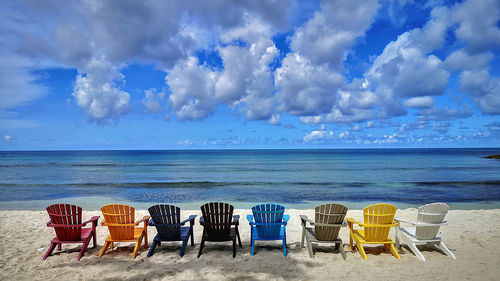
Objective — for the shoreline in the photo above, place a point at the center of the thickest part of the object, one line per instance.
(471, 235)
(94, 203)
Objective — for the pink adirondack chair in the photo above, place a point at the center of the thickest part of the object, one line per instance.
(66, 220)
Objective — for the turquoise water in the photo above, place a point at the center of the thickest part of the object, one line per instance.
(409, 176)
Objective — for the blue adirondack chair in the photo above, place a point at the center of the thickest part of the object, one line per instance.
(167, 220)
(268, 223)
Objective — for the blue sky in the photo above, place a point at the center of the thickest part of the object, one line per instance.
(249, 74)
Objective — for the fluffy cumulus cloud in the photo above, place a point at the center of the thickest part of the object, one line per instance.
(310, 81)
(484, 89)
(320, 135)
(97, 93)
(406, 69)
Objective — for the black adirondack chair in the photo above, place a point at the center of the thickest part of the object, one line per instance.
(167, 220)
(218, 221)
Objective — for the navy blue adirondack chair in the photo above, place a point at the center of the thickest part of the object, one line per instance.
(167, 220)
(268, 223)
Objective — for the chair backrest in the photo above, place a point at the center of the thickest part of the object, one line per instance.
(169, 218)
(328, 214)
(119, 214)
(376, 216)
(430, 213)
(268, 213)
(66, 214)
(217, 217)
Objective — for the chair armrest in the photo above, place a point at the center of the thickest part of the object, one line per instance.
(286, 218)
(92, 219)
(406, 221)
(202, 220)
(191, 218)
(250, 219)
(144, 219)
(304, 219)
(49, 223)
(236, 220)
(103, 223)
(352, 221)
(432, 224)
(151, 222)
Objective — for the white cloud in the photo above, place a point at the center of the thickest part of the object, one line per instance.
(327, 36)
(7, 137)
(461, 60)
(192, 86)
(318, 135)
(96, 91)
(152, 100)
(478, 24)
(305, 88)
(419, 102)
(484, 89)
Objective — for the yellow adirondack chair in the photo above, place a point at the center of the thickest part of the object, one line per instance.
(379, 219)
(120, 221)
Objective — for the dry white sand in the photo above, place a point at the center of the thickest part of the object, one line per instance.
(472, 235)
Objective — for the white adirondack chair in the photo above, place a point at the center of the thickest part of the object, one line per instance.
(429, 219)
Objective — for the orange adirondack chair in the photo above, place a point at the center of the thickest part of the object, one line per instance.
(379, 219)
(120, 221)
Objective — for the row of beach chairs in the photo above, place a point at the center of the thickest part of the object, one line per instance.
(267, 222)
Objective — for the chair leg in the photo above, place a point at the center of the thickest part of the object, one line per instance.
(104, 248)
(309, 247)
(398, 244)
(361, 251)
(202, 244)
(59, 246)
(351, 243)
(239, 239)
(137, 246)
(94, 240)
(84, 248)
(192, 236)
(341, 247)
(184, 244)
(394, 252)
(112, 245)
(284, 247)
(234, 247)
(152, 249)
(303, 236)
(253, 246)
(445, 249)
(50, 250)
(415, 251)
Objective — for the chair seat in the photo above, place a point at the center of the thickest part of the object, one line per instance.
(183, 234)
(360, 235)
(86, 233)
(409, 232)
(255, 235)
(312, 237)
(138, 232)
(232, 234)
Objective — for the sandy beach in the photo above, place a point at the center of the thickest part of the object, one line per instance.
(472, 235)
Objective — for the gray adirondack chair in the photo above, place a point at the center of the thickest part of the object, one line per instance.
(329, 218)
(425, 230)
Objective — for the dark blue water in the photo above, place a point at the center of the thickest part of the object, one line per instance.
(414, 176)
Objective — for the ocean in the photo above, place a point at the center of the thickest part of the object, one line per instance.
(295, 178)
